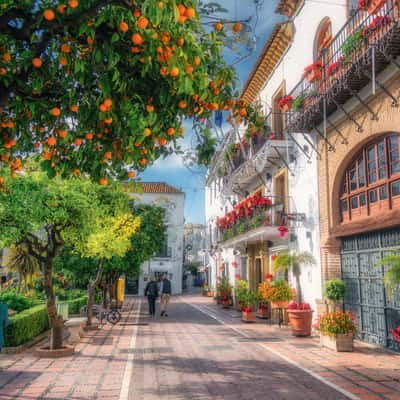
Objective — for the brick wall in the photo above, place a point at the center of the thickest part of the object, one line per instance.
(333, 164)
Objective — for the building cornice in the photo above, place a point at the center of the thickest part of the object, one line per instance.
(270, 57)
(288, 7)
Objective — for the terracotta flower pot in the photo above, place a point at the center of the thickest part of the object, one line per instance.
(300, 322)
(339, 343)
(286, 107)
(209, 294)
(262, 313)
(375, 5)
(248, 316)
(280, 304)
(314, 74)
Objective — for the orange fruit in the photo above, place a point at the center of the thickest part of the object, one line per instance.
(37, 62)
(63, 61)
(182, 19)
(190, 12)
(76, 172)
(62, 133)
(77, 141)
(237, 27)
(61, 8)
(242, 112)
(182, 104)
(3, 71)
(189, 69)
(162, 141)
(49, 15)
(147, 132)
(131, 174)
(218, 26)
(1, 180)
(135, 49)
(160, 5)
(123, 27)
(103, 181)
(7, 57)
(181, 9)
(102, 108)
(74, 108)
(214, 106)
(108, 103)
(108, 155)
(163, 71)
(197, 61)
(143, 161)
(65, 48)
(89, 41)
(13, 175)
(143, 22)
(89, 136)
(136, 13)
(73, 3)
(180, 42)
(108, 121)
(170, 131)
(150, 108)
(55, 112)
(46, 155)
(51, 141)
(137, 39)
(174, 72)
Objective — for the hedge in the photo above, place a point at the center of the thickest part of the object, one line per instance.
(30, 323)
(74, 306)
(26, 325)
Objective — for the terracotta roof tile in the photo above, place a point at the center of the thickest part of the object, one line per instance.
(159, 187)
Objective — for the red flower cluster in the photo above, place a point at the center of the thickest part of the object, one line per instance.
(269, 276)
(283, 231)
(234, 264)
(396, 334)
(285, 100)
(335, 66)
(244, 209)
(316, 65)
(247, 309)
(263, 306)
(378, 22)
(362, 4)
(296, 306)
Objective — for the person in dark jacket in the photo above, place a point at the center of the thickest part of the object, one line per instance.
(165, 291)
(151, 292)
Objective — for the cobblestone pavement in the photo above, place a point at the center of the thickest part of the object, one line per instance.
(200, 352)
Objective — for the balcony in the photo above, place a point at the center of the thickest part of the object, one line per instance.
(254, 218)
(366, 43)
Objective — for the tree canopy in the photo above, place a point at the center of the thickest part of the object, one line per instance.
(101, 87)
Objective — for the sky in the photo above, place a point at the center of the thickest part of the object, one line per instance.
(172, 170)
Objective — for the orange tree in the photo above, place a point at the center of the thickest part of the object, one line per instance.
(101, 86)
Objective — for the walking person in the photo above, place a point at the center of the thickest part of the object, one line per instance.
(165, 291)
(151, 292)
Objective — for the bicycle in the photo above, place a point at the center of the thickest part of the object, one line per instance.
(112, 315)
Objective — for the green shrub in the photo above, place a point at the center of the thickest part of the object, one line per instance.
(74, 306)
(334, 289)
(26, 325)
(15, 301)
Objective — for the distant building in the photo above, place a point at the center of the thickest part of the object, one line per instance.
(170, 259)
(194, 239)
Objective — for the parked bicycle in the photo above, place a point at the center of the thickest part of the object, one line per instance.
(112, 315)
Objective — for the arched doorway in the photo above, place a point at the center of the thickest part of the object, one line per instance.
(371, 188)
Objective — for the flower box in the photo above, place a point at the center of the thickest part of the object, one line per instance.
(248, 316)
(339, 343)
(313, 72)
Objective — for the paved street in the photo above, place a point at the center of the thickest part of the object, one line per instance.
(199, 352)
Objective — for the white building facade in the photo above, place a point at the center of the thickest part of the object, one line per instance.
(170, 260)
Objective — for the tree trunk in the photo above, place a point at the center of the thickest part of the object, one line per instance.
(56, 321)
(91, 288)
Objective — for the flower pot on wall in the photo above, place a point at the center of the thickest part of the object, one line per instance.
(339, 343)
(300, 322)
(375, 5)
(248, 316)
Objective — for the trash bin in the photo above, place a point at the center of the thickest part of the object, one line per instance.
(62, 309)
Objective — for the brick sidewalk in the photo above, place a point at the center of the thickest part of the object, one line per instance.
(95, 371)
(369, 373)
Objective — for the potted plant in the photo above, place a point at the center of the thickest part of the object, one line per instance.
(241, 287)
(278, 292)
(285, 103)
(337, 330)
(247, 299)
(334, 291)
(313, 72)
(263, 310)
(225, 291)
(300, 317)
(373, 6)
(352, 43)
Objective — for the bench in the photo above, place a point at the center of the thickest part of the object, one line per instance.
(75, 326)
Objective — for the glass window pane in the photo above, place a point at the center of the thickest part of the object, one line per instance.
(361, 172)
(373, 196)
(371, 165)
(396, 188)
(353, 179)
(394, 154)
(382, 160)
(343, 205)
(344, 185)
(383, 194)
(354, 202)
(362, 200)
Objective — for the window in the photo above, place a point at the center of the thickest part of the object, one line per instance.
(323, 38)
(372, 177)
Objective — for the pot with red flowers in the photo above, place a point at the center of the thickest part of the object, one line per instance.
(247, 299)
(300, 318)
(313, 72)
(373, 6)
(285, 103)
(225, 291)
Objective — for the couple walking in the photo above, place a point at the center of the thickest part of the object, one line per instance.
(151, 292)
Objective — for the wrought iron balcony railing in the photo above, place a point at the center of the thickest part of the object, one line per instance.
(364, 46)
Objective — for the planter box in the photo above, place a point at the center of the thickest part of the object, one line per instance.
(248, 316)
(341, 343)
